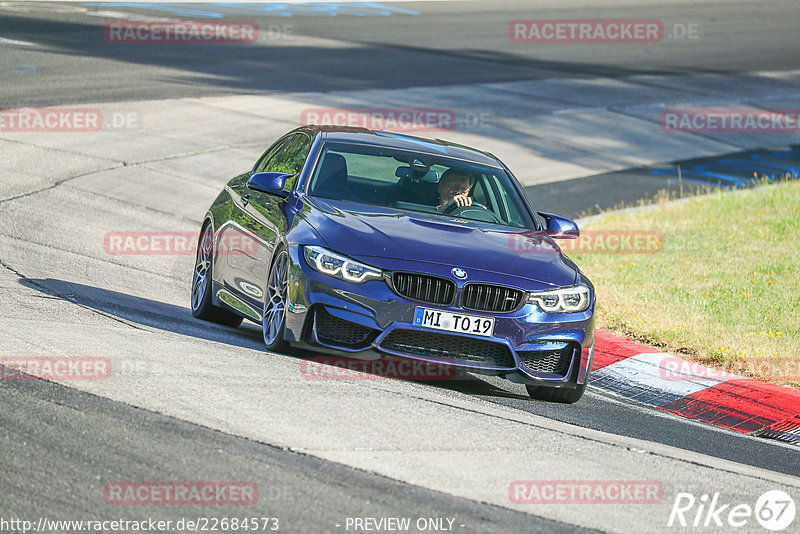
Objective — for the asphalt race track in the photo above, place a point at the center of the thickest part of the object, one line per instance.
(190, 401)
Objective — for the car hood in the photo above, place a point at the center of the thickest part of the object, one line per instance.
(362, 231)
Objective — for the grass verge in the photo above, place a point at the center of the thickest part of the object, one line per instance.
(723, 291)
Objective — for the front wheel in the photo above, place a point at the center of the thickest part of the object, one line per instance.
(562, 395)
(273, 321)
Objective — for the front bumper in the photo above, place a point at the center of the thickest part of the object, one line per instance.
(368, 320)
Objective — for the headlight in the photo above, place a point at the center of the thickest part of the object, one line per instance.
(564, 300)
(333, 264)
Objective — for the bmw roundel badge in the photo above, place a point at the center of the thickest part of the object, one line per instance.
(459, 273)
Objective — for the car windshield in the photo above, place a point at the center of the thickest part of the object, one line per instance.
(404, 180)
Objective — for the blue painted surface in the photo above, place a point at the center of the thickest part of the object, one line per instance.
(739, 170)
(166, 8)
(276, 9)
(19, 69)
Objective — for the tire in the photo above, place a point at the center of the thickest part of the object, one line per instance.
(562, 395)
(273, 322)
(202, 306)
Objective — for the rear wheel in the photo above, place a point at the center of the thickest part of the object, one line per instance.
(202, 308)
(562, 395)
(273, 323)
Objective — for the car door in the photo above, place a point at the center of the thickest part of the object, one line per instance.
(237, 243)
(260, 220)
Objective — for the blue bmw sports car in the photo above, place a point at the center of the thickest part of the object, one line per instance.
(373, 245)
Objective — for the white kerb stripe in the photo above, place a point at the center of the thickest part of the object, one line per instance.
(664, 372)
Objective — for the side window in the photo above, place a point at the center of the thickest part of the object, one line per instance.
(479, 193)
(493, 195)
(261, 166)
(291, 159)
(506, 208)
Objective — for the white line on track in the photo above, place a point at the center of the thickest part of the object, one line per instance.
(4, 40)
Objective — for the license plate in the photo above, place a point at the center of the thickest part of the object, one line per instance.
(454, 322)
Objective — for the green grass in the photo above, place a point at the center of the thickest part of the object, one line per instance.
(725, 289)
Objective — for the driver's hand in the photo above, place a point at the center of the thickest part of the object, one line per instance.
(462, 200)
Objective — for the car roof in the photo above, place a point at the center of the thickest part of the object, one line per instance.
(363, 136)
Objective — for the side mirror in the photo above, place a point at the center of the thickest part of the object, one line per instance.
(269, 182)
(560, 227)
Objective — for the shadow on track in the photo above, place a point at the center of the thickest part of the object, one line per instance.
(147, 71)
(179, 320)
(146, 312)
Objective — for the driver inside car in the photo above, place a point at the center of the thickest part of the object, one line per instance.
(453, 189)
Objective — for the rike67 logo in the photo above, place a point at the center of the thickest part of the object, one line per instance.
(774, 510)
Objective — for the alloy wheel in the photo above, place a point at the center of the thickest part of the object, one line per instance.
(275, 303)
(201, 268)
